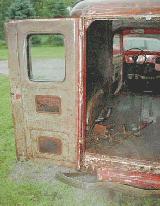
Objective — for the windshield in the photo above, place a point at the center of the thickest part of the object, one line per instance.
(145, 42)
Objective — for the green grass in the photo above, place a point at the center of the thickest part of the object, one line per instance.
(37, 52)
(48, 52)
(3, 53)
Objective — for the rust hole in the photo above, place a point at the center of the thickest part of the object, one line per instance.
(50, 145)
(49, 104)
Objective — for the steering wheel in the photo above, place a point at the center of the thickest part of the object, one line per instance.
(135, 57)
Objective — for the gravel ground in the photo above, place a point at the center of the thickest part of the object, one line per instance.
(36, 172)
(4, 67)
(48, 69)
(33, 172)
(44, 172)
(42, 69)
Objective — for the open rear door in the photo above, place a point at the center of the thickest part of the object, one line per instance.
(45, 104)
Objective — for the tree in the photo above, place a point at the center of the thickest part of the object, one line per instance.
(21, 9)
(4, 4)
(59, 9)
(51, 8)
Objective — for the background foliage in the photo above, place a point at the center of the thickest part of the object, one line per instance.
(21, 9)
(31, 8)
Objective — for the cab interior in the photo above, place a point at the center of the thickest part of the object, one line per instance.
(123, 89)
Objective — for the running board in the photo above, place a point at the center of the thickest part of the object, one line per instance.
(133, 178)
(86, 181)
(80, 180)
(136, 173)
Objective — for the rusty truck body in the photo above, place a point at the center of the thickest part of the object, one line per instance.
(103, 115)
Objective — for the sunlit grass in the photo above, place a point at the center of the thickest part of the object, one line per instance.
(47, 52)
(38, 52)
(3, 53)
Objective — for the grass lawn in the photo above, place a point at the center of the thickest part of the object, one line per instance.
(38, 52)
(47, 52)
(3, 53)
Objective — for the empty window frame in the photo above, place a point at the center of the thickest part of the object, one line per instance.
(46, 57)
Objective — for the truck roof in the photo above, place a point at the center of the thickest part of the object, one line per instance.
(113, 8)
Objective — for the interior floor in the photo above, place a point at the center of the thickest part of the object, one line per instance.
(130, 127)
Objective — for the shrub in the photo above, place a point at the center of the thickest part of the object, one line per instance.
(21, 9)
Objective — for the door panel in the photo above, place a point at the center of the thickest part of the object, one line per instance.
(49, 108)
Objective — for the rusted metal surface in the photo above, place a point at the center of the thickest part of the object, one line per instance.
(29, 123)
(81, 104)
(141, 174)
(17, 109)
(94, 107)
(99, 129)
(90, 182)
(138, 179)
(126, 139)
(93, 161)
(123, 8)
(48, 104)
(130, 133)
(50, 145)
